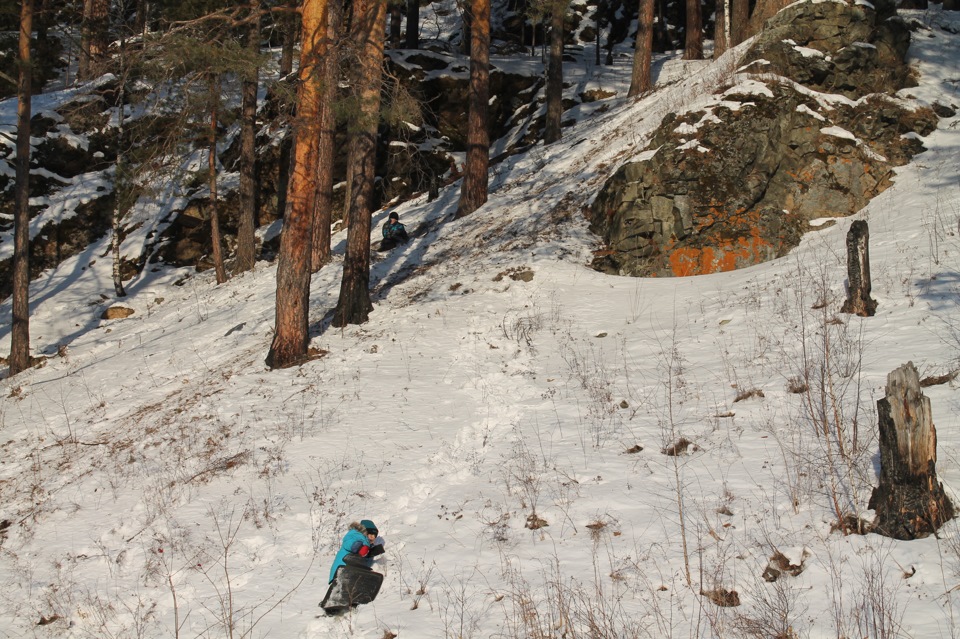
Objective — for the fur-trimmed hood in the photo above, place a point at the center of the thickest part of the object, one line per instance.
(356, 526)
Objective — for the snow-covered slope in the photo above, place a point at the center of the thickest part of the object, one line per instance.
(502, 418)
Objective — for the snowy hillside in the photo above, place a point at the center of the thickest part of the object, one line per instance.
(505, 418)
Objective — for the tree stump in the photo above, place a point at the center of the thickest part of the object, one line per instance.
(909, 502)
(859, 301)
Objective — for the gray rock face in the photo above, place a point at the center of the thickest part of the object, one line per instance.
(737, 185)
(834, 47)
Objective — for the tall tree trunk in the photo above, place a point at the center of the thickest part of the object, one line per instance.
(763, 11)
(43, 16)
(473, 189)
(246, 229)
(140, 21)
(611, 17)
(323, 208)
(291, 336)
(288, 22)
(663, 40)
(215, 240)
(413, 24)
(20, 330)
(721, 30)
(396, 22)
(693, 46)
(739, 21)
(122, 188)
(641, 79)
(465, 37)
(367, 30)
(555, 74)
(94, 38)
(598, 26)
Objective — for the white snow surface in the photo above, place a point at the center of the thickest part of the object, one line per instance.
(157, 480)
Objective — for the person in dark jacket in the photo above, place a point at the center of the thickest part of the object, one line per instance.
(359, 546)
(394, 233)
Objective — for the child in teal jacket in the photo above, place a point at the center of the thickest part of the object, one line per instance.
(359, 546)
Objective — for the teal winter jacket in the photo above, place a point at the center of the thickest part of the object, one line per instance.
(353, 543)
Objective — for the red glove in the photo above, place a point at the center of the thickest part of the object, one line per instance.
(364, 551)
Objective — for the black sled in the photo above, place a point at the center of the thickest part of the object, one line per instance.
(351, 586)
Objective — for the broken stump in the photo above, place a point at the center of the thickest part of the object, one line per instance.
(859, 301)
(909, 502)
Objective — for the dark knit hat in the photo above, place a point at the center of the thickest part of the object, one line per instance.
(393, 216)
(370, 526)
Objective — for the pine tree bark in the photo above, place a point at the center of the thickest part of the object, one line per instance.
(291, 335)
(396, 22)
(140, 20)
(739, 21)
(246, 228)
(909, 502)
(43, 18)
(554, 87)
(367, 30)
(413, 24)
(323, 208)
(763, 11)
(598, 28)
(215, 239)
(721, 30)
(94, 38)
(858, 300)
(693, 46)
(473, 189)
(642, 80)
(20, 329)
(466, 39)
(288, 22)
(122, 187)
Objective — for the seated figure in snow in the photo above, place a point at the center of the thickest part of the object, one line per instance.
(394, 233)
(359, 546)
(352, 582)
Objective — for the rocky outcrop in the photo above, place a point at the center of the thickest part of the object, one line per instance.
(833, 47)
(736, 184)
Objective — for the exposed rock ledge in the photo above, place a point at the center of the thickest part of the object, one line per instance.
(813, 131)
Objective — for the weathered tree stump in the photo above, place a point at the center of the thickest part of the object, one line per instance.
(859, 301)
(909, 502)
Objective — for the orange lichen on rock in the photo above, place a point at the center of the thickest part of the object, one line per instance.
(726, 256)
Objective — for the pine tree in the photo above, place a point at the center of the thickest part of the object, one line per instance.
(214, 210)
(396, 22)
(20, 329)
(323, 207)
(367, 34)
(473, 189)
(246, 238)
(291, 336)
(721, 30)
(413, 24)
(693, 46)
(763, 11)
(558, 10)
(94, 38)
(288, 21)
(739, 21)
(641, 79)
